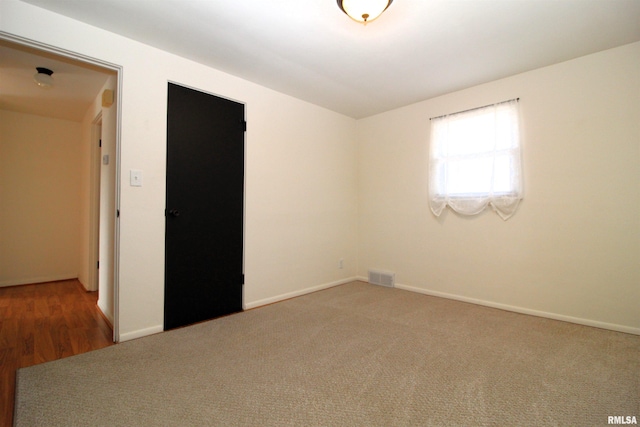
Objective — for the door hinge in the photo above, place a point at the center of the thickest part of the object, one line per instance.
(98, 264)
(100, 143)
(244, 125)
(243, 279)
(117, 213)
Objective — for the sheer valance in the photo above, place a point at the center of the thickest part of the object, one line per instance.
(475, 160)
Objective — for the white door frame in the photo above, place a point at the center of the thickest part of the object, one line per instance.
(94, 203)
(118, 104)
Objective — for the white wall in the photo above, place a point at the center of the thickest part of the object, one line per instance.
(84, 273)
(108, 185)
(103, 282)
(300, 176)
(572, 250)
(39, 198)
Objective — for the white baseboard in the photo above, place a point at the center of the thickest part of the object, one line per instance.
(104, 311)
(282, 297)
(39, 279)
(160, 328)
(522, 310)
(254, 304)
(140, 333)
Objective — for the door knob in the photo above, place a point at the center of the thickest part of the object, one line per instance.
(174, 212)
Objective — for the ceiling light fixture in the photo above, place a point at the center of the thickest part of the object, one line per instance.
(364, 11)
(43, 77)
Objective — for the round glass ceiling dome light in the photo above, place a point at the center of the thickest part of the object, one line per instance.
(43, 77)
(364, 11)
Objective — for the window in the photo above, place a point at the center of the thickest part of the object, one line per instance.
(475, 160)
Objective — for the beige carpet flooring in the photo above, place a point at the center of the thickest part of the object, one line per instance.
(353, 355)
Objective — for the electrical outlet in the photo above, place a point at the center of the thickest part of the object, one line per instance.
(341, 263)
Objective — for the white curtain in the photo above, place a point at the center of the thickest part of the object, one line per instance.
(475, 161)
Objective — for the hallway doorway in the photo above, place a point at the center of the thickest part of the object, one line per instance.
(77, 104)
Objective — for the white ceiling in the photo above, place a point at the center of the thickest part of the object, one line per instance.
(76, 84)
(416, 50)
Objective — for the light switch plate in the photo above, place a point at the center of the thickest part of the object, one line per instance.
(135, 178)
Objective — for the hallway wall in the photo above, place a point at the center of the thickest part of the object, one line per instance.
(39, 198)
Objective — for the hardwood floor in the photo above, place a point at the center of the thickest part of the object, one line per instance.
(44, 322)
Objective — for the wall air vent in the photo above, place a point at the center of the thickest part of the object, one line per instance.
(382, 278)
